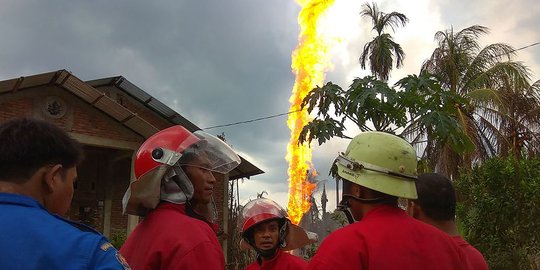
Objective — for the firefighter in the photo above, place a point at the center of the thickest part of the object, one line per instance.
(376, 169)
(38, 168)
(436, 205)
(266, 229)
(174, 172)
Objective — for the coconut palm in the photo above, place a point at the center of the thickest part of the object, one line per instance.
(521, 126)
(493, 86)
(380, 52)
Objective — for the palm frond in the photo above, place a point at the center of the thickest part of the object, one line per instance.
(393, 20)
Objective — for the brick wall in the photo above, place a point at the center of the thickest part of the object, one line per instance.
(15, 108)
(87, 121)
(121, 178)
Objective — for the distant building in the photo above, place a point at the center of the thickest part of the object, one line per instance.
(111, 117)
(324, 200)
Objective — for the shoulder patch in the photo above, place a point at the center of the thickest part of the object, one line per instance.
(106, 246)
(122, 261)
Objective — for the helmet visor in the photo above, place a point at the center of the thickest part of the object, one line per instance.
(257, 211)
(210, 153)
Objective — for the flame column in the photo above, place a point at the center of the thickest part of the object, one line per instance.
(310, 61)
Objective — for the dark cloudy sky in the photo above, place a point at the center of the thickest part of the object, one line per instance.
(222, 61)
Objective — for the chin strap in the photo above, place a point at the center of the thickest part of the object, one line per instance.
(345, 207)
(267, 254)
(347, 211)
(282, 234)
(363, 200)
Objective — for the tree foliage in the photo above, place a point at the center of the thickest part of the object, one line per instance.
(419, 105)
(492, 84)
(499, 211)
(433, 113)
(367, 101)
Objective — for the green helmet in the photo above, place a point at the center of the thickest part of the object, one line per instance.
(382, 162)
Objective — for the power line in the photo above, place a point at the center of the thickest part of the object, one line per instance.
(519, 49)
(525, 47)
(252, 120)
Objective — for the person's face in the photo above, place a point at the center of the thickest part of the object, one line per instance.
(352, 189)
(266, 235)
(60, 183)
(203, 181)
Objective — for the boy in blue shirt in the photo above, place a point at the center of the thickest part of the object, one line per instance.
(38, 167)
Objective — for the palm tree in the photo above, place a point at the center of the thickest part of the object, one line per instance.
(521, 128)
(382, 49)
(499, 98)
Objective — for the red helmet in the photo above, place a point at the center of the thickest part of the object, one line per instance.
(260, 210)
(173, 146)
(175, 139)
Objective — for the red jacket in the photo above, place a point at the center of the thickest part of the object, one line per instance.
(282, 260)
(387, 238)
(169, 239)
(475, 258)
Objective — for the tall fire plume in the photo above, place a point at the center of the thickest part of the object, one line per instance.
(310, 60)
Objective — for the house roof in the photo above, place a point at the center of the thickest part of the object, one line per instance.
(87, 91)
(144, 98)
(79, 88)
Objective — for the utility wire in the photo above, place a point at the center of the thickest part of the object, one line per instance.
(253, 120)
(519, 49)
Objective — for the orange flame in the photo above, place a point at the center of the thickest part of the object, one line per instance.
(310, 60)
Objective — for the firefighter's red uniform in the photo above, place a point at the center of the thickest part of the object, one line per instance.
(282, 260)
(169, 239)
(475, 258)
(387, 238)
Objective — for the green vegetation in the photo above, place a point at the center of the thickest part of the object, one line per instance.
(499, 211)
(118, 238)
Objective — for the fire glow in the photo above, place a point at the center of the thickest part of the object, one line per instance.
(310, 60)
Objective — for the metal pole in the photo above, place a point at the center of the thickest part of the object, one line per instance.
(337, 192)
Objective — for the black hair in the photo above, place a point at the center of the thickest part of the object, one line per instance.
(436, 196)
(27, 144)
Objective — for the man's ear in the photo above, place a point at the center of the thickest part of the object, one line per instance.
(414, 209)
(52, 177)
(410, 207)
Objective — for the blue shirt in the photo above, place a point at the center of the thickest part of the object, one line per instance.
(33, 238)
